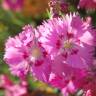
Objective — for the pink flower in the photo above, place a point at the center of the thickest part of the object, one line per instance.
(88, 84)
(87, 4)
(69, 38)
(69, 89)
(5, 81)
(15, 5)
(69, 41)
(62, 74)
(24, 54)
(12, 89)
(88, 81)
(57, 6)
(15, 90)
(58, 81)
(66, 86)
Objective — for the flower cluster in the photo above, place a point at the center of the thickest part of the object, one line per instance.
(61, 46)
(58, 52)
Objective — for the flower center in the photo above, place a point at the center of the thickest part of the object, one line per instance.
(68, 45)
(36, 53)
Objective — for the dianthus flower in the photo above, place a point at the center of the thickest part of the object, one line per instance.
(66, 86)
(24, 54)
(87, 4)
(69, 40)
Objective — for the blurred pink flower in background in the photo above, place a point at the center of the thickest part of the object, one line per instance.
(12, 89)
(87, 4)
(15, 5)
(4, 81)
(57, 6)
(15, 90)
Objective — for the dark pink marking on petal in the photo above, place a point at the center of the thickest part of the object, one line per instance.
(74, 51)
(58, 44)
(39, 62)
(70, 35)
(45, 53)
(65, 55)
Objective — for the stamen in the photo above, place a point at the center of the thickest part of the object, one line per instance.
(36, 52)
(68, 45)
